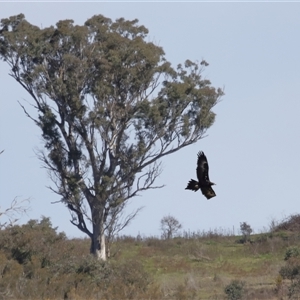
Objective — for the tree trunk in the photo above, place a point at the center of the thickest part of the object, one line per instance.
(98, 236)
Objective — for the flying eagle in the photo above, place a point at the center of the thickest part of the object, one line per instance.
(203, 183)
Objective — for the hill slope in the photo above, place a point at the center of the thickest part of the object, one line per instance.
(36, 262)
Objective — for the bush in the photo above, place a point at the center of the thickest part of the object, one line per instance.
(294, 290)
(235, 290)
(21, 243)
(291, 271)
(292, 252)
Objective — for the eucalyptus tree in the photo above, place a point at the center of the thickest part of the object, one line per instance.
(109, 106)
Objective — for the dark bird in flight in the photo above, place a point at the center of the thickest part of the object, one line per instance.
(203, 183)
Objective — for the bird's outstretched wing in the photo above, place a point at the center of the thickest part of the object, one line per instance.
(202, 169)
(208, 192)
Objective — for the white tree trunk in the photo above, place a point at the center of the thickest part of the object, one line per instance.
(101, 253)
(98, 237)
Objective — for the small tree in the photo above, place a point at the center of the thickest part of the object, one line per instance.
(169, 226)
(246, 230)
(109, 106)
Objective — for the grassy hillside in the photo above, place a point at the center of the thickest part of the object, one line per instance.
(36, 262)
(200, 268)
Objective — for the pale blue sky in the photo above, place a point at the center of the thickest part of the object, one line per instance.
(253, 148)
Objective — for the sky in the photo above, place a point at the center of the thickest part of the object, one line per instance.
(253, 149)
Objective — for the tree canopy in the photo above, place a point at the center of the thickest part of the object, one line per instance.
(109, 106)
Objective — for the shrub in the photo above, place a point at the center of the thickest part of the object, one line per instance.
(21, 243)
(292, 252)
(235, 290)
(291, 271)
(294, 290)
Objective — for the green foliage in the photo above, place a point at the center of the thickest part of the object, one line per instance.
(235, 290)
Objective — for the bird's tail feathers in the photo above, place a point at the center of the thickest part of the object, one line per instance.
(192, 185)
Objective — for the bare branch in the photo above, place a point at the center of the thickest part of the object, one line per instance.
(14, 211)
(27, 114)
(117, 222)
